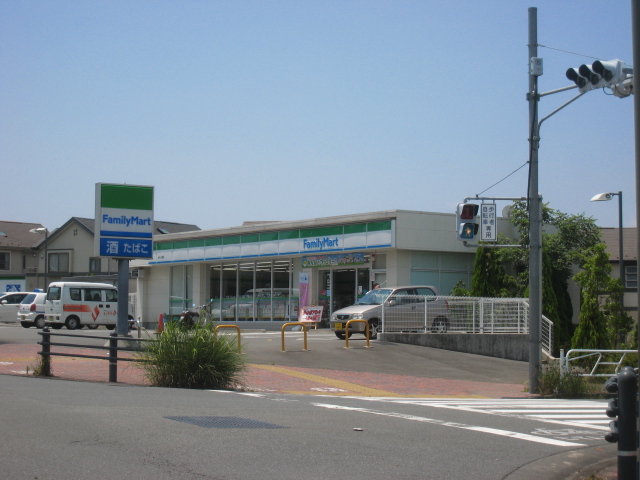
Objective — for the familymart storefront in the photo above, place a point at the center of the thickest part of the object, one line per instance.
(266, 272)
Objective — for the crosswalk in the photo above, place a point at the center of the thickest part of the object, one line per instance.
(583, 414)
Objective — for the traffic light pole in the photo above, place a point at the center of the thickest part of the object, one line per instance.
(535, 205)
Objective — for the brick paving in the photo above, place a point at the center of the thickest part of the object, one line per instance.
(21, 359)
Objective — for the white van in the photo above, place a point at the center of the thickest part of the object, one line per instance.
(76, 304)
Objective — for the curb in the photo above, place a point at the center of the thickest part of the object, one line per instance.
(572, 465)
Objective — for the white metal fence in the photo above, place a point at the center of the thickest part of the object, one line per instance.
(594, 363)
(462, 315)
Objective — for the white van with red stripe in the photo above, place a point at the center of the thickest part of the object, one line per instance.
(79, 304)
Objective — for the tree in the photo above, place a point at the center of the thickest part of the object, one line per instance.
(565, 239)
(489, 276)
(460, 290)
(598, 326)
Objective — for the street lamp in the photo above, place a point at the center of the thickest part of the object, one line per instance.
(603, 197)
(46, 256)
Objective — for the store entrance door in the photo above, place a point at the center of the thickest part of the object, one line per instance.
(340, 288)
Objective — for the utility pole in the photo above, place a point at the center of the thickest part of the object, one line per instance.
(535, 216)
(635, 41)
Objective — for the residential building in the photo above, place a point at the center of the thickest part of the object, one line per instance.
(70, 253)
(17, 259)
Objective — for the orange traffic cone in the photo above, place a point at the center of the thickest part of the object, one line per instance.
(160, 328)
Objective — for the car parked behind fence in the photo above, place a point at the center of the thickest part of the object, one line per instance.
(411, 308)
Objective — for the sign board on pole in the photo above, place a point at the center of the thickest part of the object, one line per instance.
(488, 223)
(311, 313)
(124, 221)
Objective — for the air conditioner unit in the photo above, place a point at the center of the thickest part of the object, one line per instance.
(137, 273)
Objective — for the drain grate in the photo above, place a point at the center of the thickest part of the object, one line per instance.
(225, 422)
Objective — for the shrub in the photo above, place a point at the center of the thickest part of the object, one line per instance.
(193, 358)
(571, 385)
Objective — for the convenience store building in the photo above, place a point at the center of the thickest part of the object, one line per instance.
(262, 272)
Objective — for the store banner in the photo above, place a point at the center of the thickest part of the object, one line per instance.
(304, 292)
(333, 260)
(311, 313)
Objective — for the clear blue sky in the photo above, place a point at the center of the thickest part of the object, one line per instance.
(286, 110)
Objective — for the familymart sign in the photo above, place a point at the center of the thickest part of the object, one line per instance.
(124, 221)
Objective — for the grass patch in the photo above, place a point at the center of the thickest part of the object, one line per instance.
(571, 385)
(42, 367)
(194, 357)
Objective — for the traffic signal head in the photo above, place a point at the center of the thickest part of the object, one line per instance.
(585, 78)
(602, 73)
(467, 225)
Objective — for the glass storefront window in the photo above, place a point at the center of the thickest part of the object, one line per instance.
(253, 291)
(181, 285)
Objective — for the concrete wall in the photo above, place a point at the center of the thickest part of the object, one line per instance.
(509, 346)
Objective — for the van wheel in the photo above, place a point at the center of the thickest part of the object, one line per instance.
(72, 323)
(93, 326)
(109, 327)
(440, 325)
(373, 329)
(39, 323)
(26, 324)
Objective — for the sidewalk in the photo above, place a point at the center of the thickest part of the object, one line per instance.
(21, 359)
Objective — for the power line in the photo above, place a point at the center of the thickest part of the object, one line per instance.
(569, 52)
(503, 179)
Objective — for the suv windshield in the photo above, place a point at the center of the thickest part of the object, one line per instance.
(375, 297)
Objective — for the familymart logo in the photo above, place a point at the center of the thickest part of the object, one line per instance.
(321, 243)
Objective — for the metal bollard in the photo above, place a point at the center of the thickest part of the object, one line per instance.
(113, 357)
(46, 350)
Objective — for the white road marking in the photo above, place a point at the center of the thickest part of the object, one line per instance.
(571, 413)
(493, 431)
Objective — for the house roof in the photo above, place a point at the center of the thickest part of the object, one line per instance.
(160, 227)
(18, 234)
(610, 236)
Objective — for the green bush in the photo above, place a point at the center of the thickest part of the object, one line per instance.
(571, 385)
(193, 358)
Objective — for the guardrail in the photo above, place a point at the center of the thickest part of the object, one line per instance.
(616, 359)
(304, 329)
(346, 329)
(218, 327)
(112, 349)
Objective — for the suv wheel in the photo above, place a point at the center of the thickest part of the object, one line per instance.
(373, 329)
(440, 325)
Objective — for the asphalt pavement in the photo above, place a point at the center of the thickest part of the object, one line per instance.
(326, 367)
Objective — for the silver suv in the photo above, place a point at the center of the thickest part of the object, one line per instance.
(412, 308)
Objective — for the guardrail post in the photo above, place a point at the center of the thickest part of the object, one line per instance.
(113, 357)
(218, 327)
(304, 330)
(562, 363)
(346, 331)
(46, 350)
